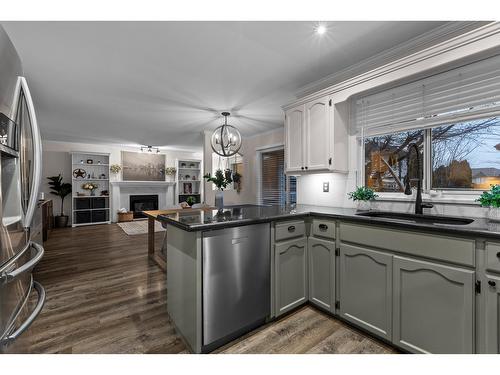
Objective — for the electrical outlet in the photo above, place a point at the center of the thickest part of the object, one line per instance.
(326, 187)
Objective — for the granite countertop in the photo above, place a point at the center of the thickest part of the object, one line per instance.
(253, 214)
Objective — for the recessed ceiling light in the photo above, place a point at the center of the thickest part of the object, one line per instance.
(321, 29)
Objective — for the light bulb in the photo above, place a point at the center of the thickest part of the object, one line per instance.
(321, 29)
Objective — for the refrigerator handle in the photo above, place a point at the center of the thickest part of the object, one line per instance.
(9, 275)
(37, 154)
(25, 325)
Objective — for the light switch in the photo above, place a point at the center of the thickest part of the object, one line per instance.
(326, 187)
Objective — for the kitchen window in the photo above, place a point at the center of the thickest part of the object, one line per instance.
(453, 117)
(466, 155)
(463, 156)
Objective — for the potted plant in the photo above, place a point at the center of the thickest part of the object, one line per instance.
(363, 196)
(491, 200)
(91, 186)
(61, 189)
(190, 200)
(221, 179)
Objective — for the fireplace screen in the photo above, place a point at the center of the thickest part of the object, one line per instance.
(139, 203)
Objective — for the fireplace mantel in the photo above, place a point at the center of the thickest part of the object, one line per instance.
(142, 183)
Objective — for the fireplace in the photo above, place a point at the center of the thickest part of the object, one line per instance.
(140, 203)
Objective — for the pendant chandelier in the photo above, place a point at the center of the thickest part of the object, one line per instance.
(226, 139)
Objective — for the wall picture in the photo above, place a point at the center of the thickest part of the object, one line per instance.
(138, 166)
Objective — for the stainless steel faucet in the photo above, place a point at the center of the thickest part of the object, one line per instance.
(419, 206)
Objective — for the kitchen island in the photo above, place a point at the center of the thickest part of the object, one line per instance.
(415, 284)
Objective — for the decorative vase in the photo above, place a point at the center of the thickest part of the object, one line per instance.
(364, 205)
(494, 214)
(61, 221)
(219, 199)
(92, 193)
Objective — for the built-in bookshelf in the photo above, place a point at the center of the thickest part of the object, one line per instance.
(90, 208)
(188, 180)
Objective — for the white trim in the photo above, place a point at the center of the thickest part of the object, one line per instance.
(142, 183)
(273, 147)
(476, 41)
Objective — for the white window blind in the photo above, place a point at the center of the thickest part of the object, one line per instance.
(464, 93)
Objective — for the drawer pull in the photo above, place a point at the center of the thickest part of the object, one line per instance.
(492, 283)
(291, 228)
(323, 227)
(498, 254)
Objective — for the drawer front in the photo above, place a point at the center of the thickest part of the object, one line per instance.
(448, 249)
(290, 229)
(323, 228)
(493, 256)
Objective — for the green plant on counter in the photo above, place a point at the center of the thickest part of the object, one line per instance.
(221, 179)
(190, 200)
(490, 198)
(362, 193)
(59, 188)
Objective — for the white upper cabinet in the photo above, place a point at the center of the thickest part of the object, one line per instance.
(316, 137)
(317, 145)
(294, 135)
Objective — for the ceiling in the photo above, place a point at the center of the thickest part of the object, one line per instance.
(163, 83)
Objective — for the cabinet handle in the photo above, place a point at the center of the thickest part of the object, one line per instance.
(323, 227)
(291, 228)
(306, 167)
(302, 168)
(498, 254)
(492, 283)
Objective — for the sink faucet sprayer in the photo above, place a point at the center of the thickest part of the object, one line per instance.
(419, 206)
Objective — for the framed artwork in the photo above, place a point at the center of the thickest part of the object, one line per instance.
(188, 188)
(138, 166)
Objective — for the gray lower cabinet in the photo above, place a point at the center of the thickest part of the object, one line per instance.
(291, 274)
(492, 318)
(322, 273)
(366, 289)
(433, 307)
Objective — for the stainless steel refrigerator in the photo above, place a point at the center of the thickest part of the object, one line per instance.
(20, 173)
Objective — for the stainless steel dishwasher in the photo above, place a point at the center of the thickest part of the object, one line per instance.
(236, 282)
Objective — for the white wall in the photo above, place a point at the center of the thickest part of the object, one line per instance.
(249, 148)
(57, 159)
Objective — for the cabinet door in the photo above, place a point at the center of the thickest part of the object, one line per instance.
(492, 317)
(366, 289)
(317, 141)
(291, 274)
(321, 272)
(433, 307)
(294, 139)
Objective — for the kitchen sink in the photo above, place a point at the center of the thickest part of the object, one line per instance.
(430, 219)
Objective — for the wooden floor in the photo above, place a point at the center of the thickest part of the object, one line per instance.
(105, 296)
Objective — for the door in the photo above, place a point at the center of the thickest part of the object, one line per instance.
(291, 274)
(366, 289)
(433, 307)
(492, 317)
(317, 129)
(294, 141)
(321, 273)
(236, 280)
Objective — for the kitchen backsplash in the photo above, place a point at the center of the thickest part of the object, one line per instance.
(310, 191)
